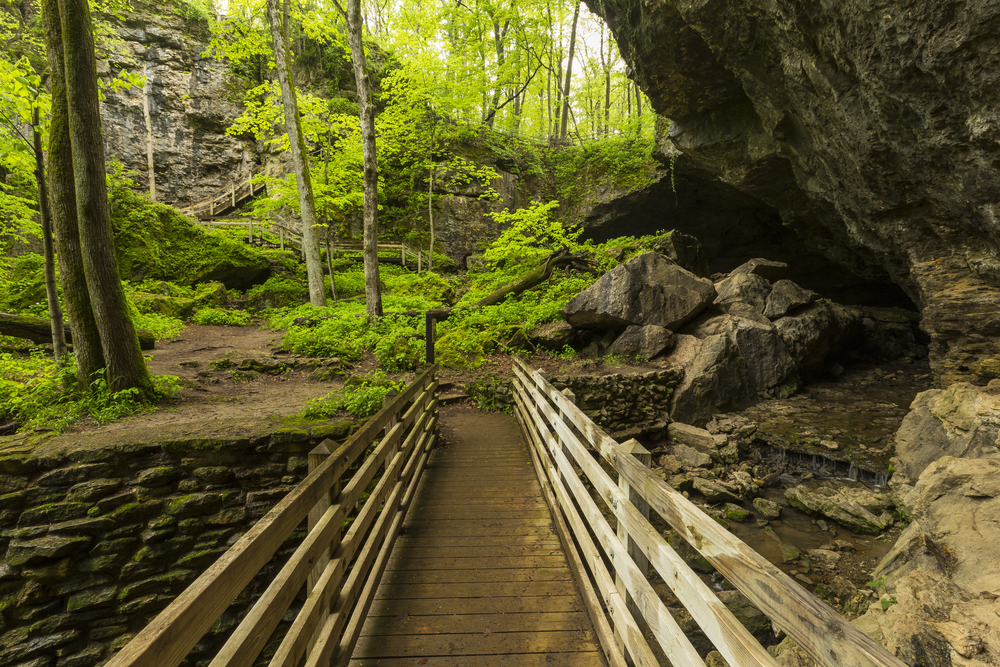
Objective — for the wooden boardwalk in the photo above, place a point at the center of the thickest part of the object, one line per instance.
(478, 576)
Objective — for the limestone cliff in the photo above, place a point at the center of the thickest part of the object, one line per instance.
(871, 128)
(184, 99)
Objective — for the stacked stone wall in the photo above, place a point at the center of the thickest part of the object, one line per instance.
(97, 542)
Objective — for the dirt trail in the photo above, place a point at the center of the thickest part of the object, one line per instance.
(212, 395)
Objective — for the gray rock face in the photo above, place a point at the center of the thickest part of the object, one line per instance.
(814, 333)
(784, 297)
(648, 341)
(767, 269)
(189, 109)
(728, 369)
(961, 421)
(874, 133)
(648, 289)
(747, 288)
(862, 509)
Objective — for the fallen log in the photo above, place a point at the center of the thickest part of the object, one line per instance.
(39, 330)
(561, 258)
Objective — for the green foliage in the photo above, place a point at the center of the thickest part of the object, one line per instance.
(161, 326)
(154, 241)
(36, 395)
(22, 287)
(277, 292)
(362, 397)
(530, 235)
(222, 317)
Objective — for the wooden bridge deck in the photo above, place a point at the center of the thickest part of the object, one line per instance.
(478, 576)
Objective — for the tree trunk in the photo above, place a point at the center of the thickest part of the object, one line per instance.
(39, 330)
(51, 293)
(559, 258)
(373, 296)
(430, 214)
(62, 206)
(300, 157)
(564, 124)
(123, 359)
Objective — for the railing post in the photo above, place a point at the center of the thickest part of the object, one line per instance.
(316, 458)
(393, 420)
(634, 448)
(250, 232)
(429, 335)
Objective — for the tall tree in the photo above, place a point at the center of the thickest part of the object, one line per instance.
(564, 122)
(278, 21)
(373, 295)
(69, 39)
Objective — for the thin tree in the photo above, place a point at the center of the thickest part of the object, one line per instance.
(278, 22)
(69, 39)
(564, 124)
(373, 295)
(48, 251)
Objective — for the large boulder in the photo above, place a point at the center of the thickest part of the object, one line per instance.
(962, 421)
(816, 332)
(784, 297)
(851, 504)
(648, 289)
(728, 368)
(648, 341)
(748, 288)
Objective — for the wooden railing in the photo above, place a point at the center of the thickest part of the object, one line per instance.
(327, 627)
(406, 253)
(611, 562)
(227, 199)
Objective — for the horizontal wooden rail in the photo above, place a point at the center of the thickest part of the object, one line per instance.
(563, 439)
(330, 621)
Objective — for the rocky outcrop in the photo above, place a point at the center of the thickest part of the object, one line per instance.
(872, 132)
(185, 99)
(851, 504)
(961, 421)
(648, 289)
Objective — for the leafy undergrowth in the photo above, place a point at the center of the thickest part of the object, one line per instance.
(361, 397)
(35, 395)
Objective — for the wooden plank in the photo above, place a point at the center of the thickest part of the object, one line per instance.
(581, 659)
(476, 589)
(506, 605)
(475, 576)
(483, 643)
(496, 562)
(477, 528)
(477, 553)
(826, 636)
(405, 624)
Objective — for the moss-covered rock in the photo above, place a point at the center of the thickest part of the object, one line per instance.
(49, 547)
(171, 306)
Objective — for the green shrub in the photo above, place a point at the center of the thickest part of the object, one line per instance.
(361, 397)
(277, 292)
(35, 394)
(222, 316)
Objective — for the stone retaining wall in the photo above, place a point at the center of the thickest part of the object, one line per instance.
(98, 541)
(619, 403)
(622, 402)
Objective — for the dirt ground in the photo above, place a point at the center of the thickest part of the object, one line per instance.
(211, 393)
